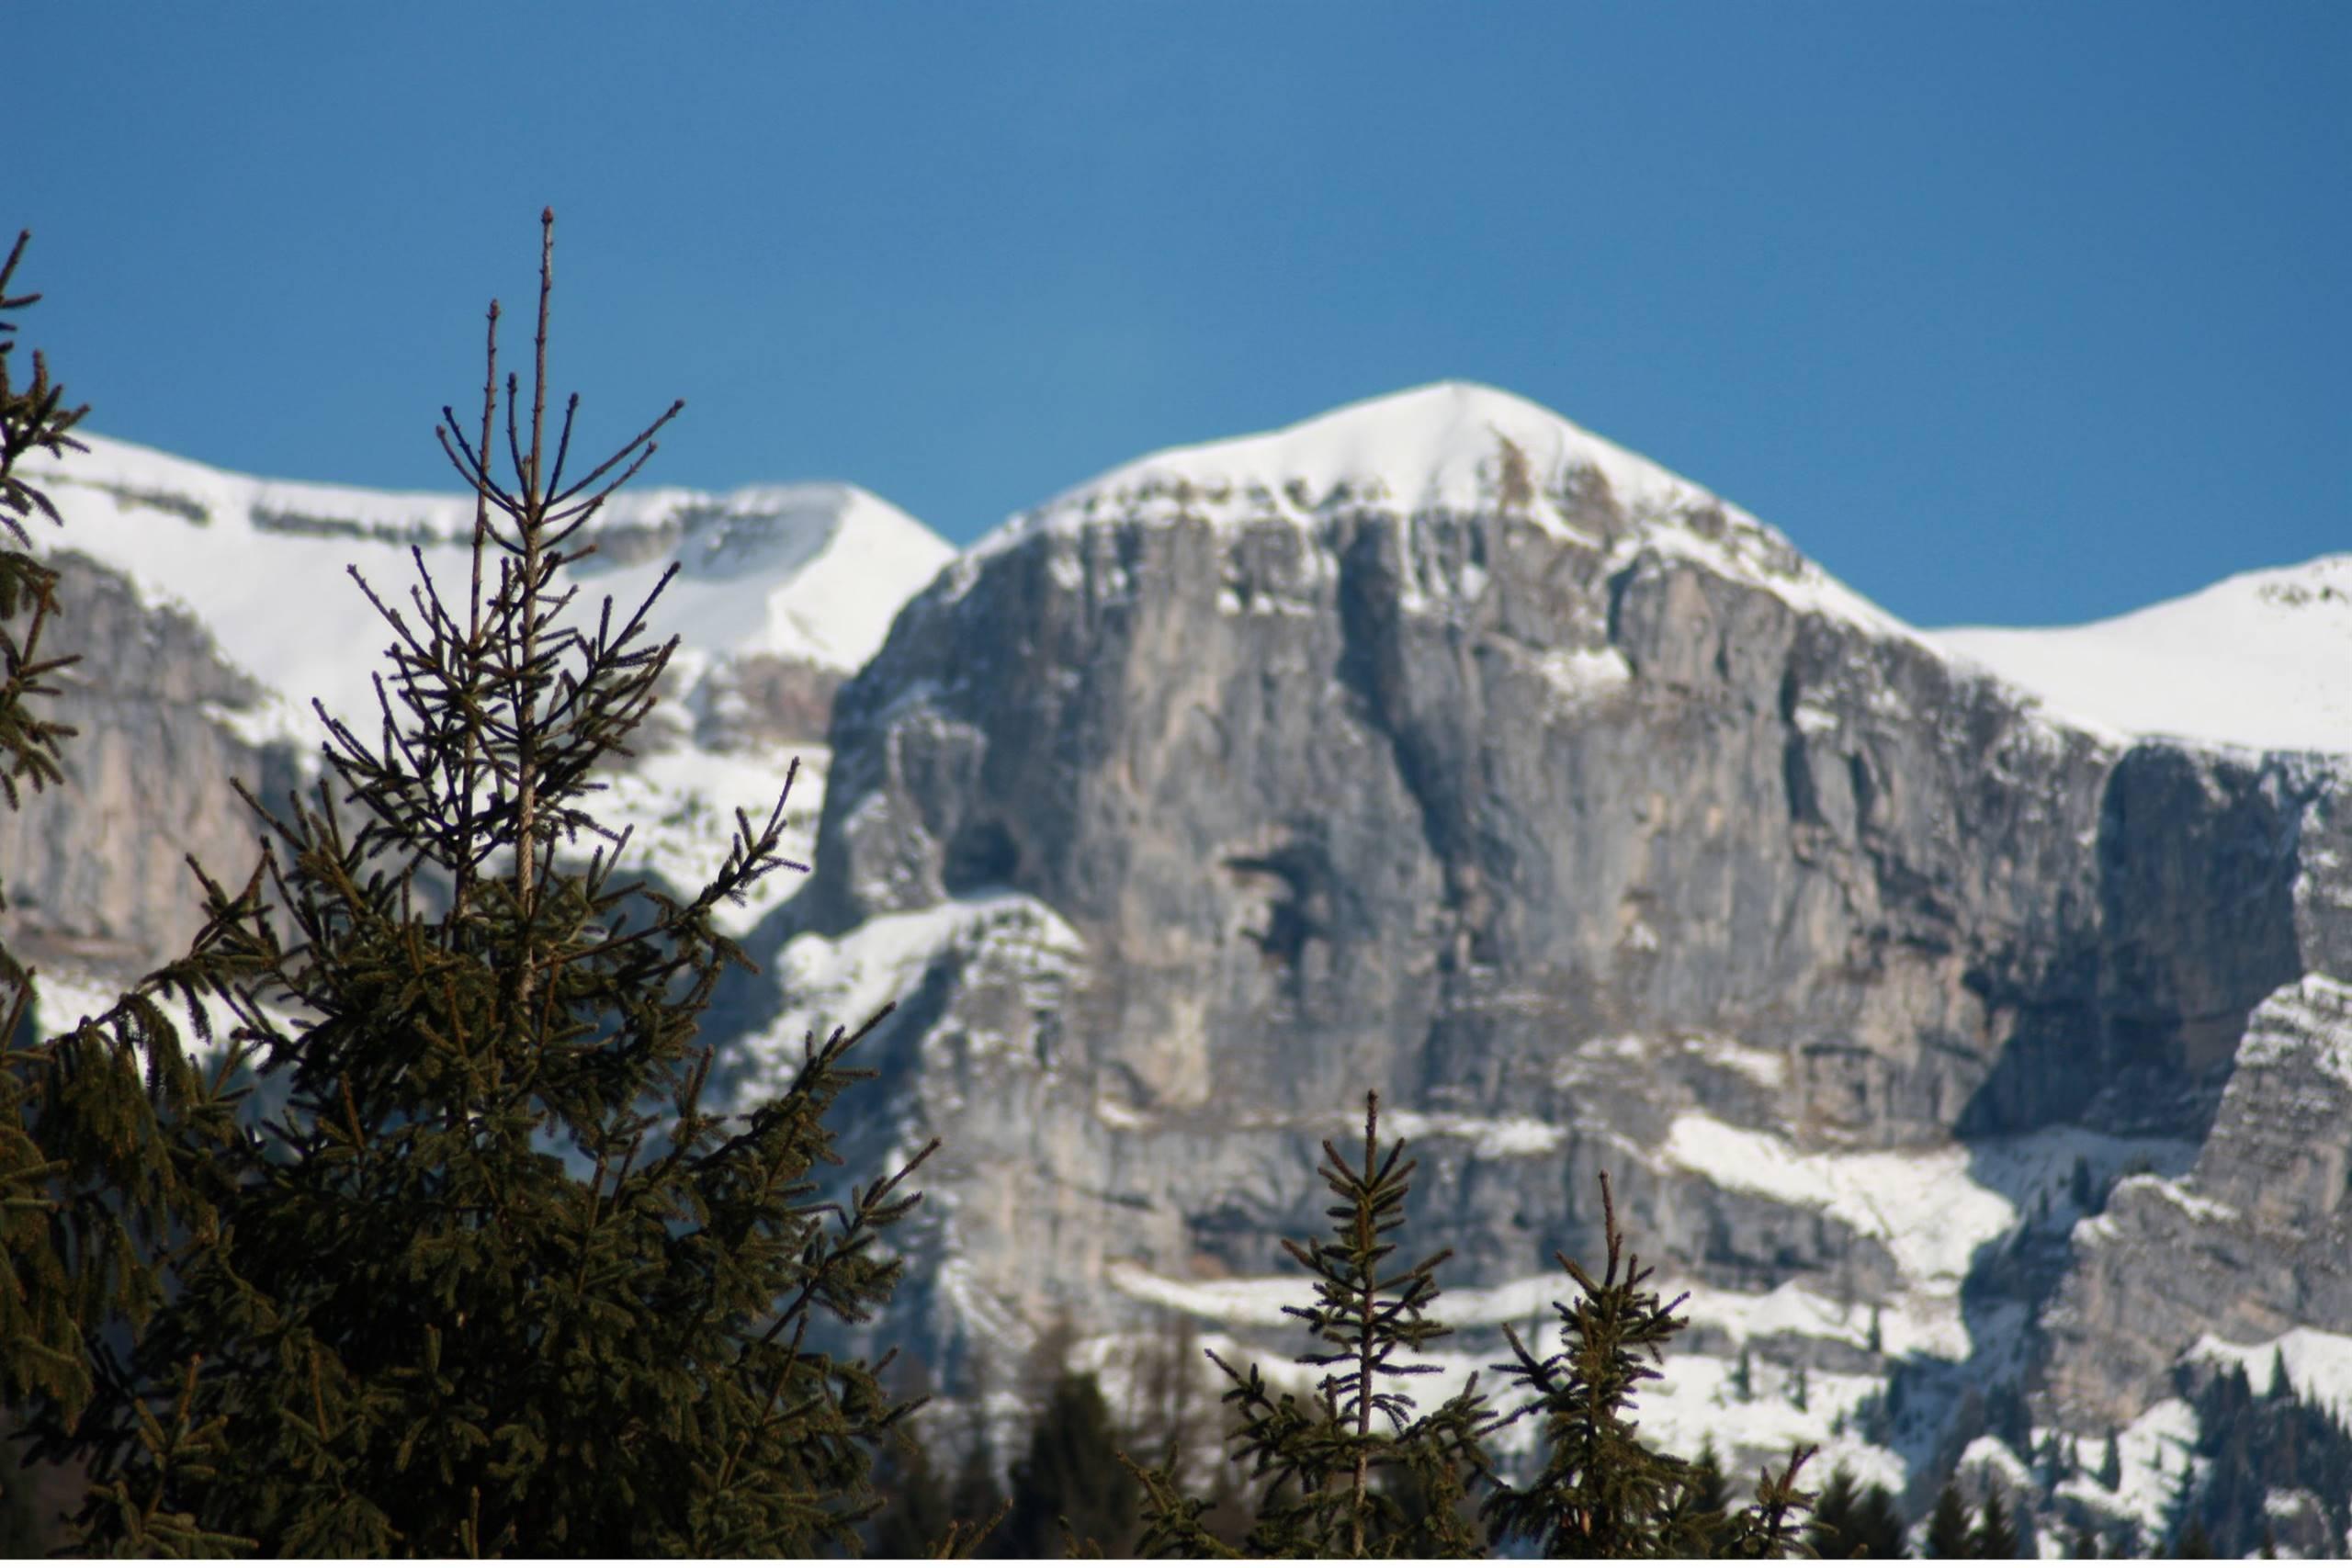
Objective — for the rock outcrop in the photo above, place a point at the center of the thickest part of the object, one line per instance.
(2252, 1244)
(96, 869)
(1566, 806)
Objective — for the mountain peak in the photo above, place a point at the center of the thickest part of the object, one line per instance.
(1443, 446)
(1447, 447)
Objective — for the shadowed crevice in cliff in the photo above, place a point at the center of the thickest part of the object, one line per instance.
(1373, 668)
(2197, 860)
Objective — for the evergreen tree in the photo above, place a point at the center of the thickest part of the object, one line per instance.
(2050, 1460)
(1993, 1535)
(916, 1514)
(504, 1283)
(1878, 1525)
(1835, 1529)
(33, 417)
(1071, 1490)
(97, 1123)
(1326, 1464)
(2111, 1463)
(2192, 1543)
(2082, 1541)
(1800, 1389)
(1948, 1532)
(976, 1502)
(1602, 1492)
(1877, 1338)
(1743, 1377)
(1709, 1492)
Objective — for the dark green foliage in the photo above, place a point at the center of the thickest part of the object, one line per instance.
(1070, 1490)
(22, 1531)
(1877, 1525)
(2111, 1463)
(916, 1511)
(1851, 1521)
(1602, 1492)
(100, 1125)
(2082, 1541)
(1772, 1525)
(1327, 1467)
(1993, 1535)
(1743, 1377)
(976, 1502)
(2193, 1544)
(504, 1283)
(2079, 1187)
(1598, 1492)
(1877, 1341)
(2254, 1444)
(1171, 1420)
(1834, 1531)
(1704, 1485)
(33, 417)
(1800, 1389)
(1948, 1532)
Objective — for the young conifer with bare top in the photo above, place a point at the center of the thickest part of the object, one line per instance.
(501, 1278)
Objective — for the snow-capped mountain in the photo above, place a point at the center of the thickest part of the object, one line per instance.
(243, 587)
(1437, 746)
(2261, 661)
(810, 572)
(1929, 995)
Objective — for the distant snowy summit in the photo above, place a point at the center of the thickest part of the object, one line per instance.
(810, 572)
(2261, 661)
(1451, 446)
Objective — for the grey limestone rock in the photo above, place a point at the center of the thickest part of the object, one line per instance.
(1555, 827)
(96, 869)
(2254, 1241)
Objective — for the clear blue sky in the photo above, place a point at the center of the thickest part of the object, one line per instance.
(2004, 312)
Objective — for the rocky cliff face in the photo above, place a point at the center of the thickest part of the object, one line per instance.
(96, 869)
(1577, 813)
(2252, 1244)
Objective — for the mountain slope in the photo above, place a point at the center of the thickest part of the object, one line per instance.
(213, 608)
(2261, 661)
(1436, 746)
(805, 572)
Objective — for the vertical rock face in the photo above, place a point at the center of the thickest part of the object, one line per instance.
(96, 869)
(2255, 1242)
(1567, 806)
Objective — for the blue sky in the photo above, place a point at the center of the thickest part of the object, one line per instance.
(2008, 313)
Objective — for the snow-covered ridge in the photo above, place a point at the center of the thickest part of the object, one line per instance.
(1451, 446)
(814, 572)
(2261, 661)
